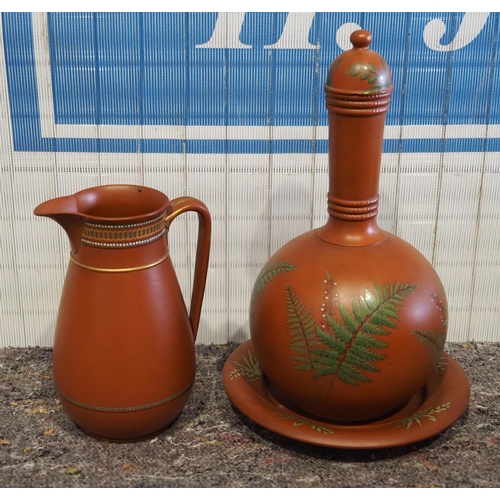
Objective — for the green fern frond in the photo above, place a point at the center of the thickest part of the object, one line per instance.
(345, 348)
(350, 322)
(369, 342)
(359, 362)
(433, 341)
(383, 321)
(365, 354)
(349, 343)
(370, 328)
(268, 272)
(351, 374)
(302, 326)
(334, 343)
(322, 357)
(339, 329)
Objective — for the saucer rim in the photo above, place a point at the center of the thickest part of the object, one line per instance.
(454, 387)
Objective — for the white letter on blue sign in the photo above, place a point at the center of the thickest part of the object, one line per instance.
(226, 34)
(471, 26)
(344, 34)
(295, 33)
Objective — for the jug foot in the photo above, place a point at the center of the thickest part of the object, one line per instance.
(130, 440)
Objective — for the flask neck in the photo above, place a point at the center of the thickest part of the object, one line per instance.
(356, 129)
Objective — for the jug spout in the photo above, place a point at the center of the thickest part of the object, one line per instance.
(64, 211)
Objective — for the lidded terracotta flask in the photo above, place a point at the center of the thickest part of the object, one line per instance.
(349, 321)
(124, 359)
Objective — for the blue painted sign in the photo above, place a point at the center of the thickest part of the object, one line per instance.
(216, 83)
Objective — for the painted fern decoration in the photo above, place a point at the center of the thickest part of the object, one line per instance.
(427, 413)
(269, 271)
(442, 364)
(348, 344)
(433, 341)
(297, 422)
(302, 326)
(377, 78)
(250, 369)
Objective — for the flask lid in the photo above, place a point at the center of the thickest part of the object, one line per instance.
(359, 70)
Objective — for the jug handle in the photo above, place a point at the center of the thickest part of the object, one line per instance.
(188, 204)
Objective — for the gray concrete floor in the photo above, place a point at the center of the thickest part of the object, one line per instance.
(213, 445)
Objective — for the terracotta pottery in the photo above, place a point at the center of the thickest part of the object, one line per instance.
(348, 322)
(423, 416)
(124, 360)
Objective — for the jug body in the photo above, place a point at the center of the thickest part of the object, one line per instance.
(124, 359)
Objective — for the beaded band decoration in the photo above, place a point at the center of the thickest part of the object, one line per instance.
(124, 235)
(126, 409)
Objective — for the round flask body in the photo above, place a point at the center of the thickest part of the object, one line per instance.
(348, 333)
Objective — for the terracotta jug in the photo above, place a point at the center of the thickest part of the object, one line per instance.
(349, 321)
(124, 359)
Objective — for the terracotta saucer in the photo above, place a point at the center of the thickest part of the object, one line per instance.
(432, 410)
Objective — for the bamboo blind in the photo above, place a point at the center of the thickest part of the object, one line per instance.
(229, 108)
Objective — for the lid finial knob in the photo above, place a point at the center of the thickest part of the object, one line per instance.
(361, 39)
